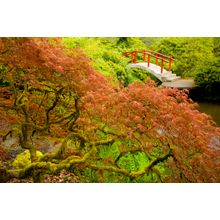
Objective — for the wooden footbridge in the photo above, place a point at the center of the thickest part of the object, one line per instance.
(159, 65)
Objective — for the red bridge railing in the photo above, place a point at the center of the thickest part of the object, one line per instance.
(147, 54)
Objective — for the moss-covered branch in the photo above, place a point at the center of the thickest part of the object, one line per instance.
(133, 150)
(134, 174)
(36, 169)
(42, 167)
(54, 104)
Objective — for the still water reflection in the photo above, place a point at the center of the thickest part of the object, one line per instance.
(212, 109)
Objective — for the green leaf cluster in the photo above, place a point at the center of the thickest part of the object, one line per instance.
(209, 78)
(105, 54)
(191, 54)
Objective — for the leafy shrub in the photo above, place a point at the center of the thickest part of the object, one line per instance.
(190, 53)
(133, 161)
(209, 79)
(106, 54)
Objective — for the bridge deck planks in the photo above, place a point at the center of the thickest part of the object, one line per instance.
(180, 84)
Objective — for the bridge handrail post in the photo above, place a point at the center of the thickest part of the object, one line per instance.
(134, 56)
(159, 57)
(162, 65)
(170, 63)
(156, 58)
(148, 60)
(144, 58)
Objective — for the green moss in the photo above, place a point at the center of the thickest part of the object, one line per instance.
(24, 159)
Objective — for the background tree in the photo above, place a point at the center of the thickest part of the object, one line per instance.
(192, 53)
(106, 55)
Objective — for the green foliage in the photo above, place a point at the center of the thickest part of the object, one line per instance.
(130, 161)
(106, 54)
(191, 54)
(130, 43)
(103, 55)
(135, 74)
(147, 178)
(24, 159)
(209, 78)
(197, 58)
(133, 161)
(216, 49)
(110, 151)
(150, 41)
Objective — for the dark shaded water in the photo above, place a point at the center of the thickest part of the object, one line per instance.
(212, 109)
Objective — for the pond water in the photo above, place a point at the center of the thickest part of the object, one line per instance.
(212, 109)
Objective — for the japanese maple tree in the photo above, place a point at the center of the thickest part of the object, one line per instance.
(54, 91)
